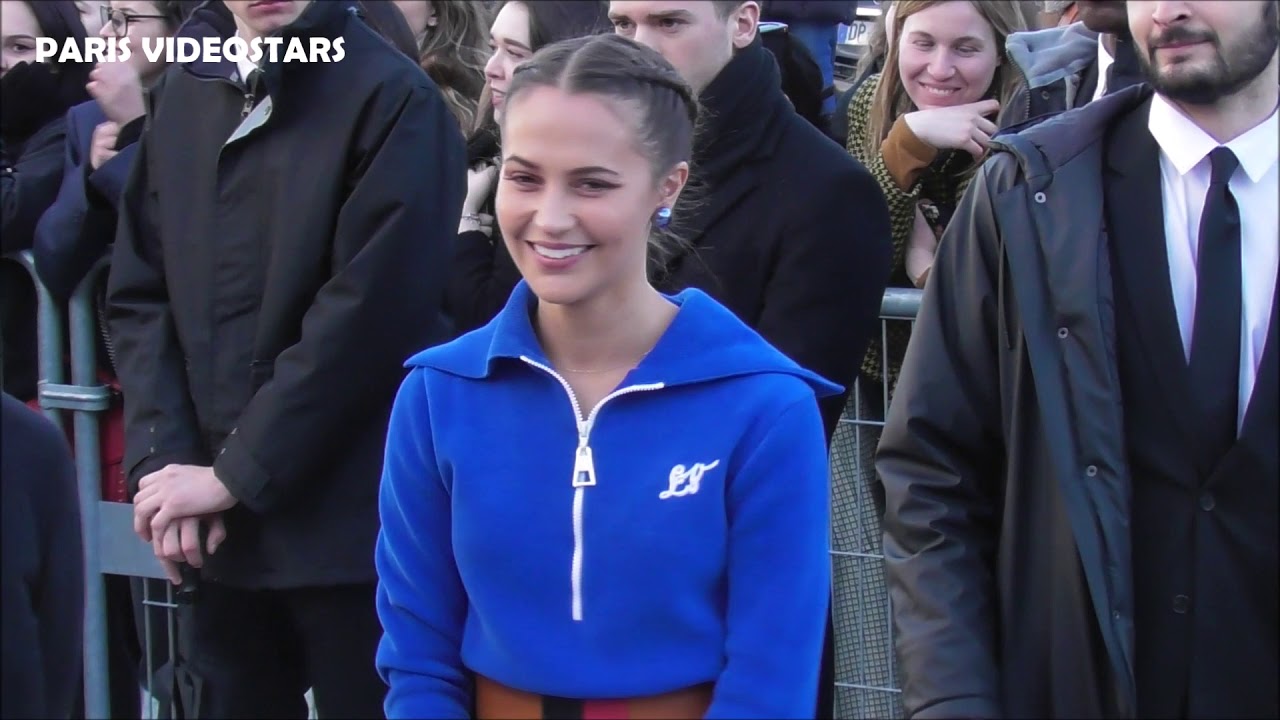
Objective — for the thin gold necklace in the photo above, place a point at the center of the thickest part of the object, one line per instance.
(629, 366)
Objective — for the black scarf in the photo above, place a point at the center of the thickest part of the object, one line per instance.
(740, 107)
(34, 94)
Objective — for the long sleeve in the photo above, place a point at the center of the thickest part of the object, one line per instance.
(940, 461)
(421, 601)
(481, 281)
(29, 184)
(160, 420)
(107, 182)
(902, 203)
(77, 230)
(392, 246)
(905, 155)
(822, 304)
(779, 573)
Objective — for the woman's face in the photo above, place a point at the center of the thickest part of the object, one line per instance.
(509, 41)
(947, 55)
(575, 196)
(144, 27)
(18, 33)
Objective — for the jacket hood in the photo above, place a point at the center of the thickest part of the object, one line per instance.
(1047, 146)
(705, 342)
(1049, 55)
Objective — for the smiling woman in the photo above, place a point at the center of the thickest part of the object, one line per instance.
(923, 126)
(670, 548)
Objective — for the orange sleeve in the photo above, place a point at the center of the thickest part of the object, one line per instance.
(905, 155)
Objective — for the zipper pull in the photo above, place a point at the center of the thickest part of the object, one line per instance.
(250, 96)
(584, 468)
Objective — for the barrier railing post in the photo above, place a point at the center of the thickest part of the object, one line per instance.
(866, 676)
(91, 399)
(49, 337)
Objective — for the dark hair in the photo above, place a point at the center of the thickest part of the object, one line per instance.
(628, 72)
(622, 69)
(550, 21)
(725, 8)
(384, 18)
(175, 12)
(453, 54)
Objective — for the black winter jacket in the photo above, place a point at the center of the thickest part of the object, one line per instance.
(791, 233)
(1004, 463)
(271, 274)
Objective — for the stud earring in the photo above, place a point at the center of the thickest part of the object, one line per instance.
(663, 217)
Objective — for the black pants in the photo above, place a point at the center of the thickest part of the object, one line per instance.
(258, 651)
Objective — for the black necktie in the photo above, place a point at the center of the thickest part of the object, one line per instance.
(1215, 335)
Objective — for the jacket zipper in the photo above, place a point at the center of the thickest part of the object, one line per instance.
(250, 96)
(584, 469)
(1026, 83)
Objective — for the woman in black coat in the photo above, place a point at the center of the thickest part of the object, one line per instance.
(34, 98)
(483, 273)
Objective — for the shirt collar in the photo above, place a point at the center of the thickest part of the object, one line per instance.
(1105, 61)
(1186, 145)
(244, 66)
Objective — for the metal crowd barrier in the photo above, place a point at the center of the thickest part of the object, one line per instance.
(866, 668)
(866, 685)
(110, 547)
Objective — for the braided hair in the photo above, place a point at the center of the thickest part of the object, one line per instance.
(624, 70)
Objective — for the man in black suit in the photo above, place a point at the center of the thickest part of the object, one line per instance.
(1080, 464)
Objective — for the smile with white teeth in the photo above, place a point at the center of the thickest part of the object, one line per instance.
(941, 92)
(559, 254)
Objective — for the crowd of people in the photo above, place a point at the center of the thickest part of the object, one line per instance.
(497, 369)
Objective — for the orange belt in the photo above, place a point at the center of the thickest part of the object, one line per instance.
(499, 702)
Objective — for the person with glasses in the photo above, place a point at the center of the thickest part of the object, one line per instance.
(80, 224)
(71, 236)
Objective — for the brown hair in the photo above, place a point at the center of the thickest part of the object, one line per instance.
(725, 8)
(612, 66)
(891, 99)
(453, 54)
(550, 21)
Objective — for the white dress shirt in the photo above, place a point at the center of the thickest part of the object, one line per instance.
(1184, 175)
(243, 65)
(1105, 61)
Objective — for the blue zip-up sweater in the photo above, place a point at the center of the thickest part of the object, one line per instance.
(676, 535)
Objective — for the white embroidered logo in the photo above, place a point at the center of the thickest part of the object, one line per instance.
(685, 481)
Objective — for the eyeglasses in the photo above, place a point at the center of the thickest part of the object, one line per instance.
(118, 20)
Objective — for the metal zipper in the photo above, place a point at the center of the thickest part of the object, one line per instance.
(584, 469)
(250, 94)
